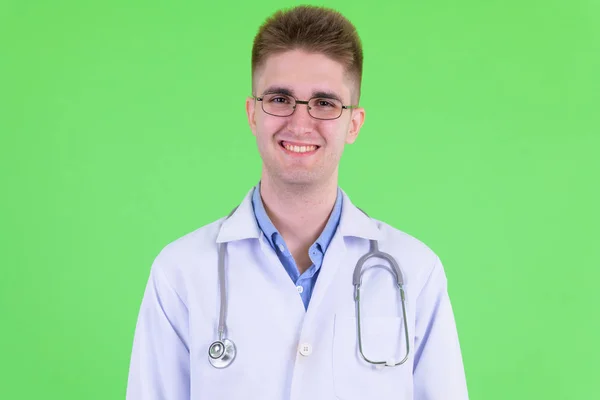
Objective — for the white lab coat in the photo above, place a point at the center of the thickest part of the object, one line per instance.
(267, 321)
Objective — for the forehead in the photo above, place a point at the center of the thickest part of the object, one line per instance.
(303, 73)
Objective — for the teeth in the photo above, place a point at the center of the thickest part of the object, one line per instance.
(300, 149)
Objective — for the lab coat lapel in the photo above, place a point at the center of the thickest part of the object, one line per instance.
(353, 222)
(241, 224)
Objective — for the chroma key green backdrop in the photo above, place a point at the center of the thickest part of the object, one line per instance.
(123, 128)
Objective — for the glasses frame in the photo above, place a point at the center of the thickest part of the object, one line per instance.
(344, 107)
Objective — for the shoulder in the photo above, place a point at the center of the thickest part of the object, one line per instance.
(417, 259)
(186, 255)
(402, 241)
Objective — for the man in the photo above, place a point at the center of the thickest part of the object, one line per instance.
(276, 276)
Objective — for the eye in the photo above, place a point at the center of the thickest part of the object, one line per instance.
(325, 103)
(278, 98)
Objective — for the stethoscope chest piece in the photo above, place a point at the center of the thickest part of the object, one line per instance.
(221, 353)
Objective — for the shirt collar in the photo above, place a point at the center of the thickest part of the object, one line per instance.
(262, 219)
(242, 223)
(266, 225)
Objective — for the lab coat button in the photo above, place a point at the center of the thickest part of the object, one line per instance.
(300, 289)
(305, 349)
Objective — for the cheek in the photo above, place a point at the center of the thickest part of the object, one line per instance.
(267, 127)
(336, 135)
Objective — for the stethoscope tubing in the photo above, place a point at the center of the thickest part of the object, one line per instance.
(227, 355)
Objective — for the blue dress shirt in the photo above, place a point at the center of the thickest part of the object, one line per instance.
(305, 282)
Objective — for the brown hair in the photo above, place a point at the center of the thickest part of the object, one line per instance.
(315, 30)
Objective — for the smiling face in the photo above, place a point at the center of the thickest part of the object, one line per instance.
(299, 149)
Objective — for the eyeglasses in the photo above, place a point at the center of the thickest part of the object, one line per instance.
(283, 105)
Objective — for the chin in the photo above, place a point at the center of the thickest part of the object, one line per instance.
(300, 179)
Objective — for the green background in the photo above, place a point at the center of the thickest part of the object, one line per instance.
(123, 128)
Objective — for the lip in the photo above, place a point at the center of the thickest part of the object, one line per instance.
(297, 143)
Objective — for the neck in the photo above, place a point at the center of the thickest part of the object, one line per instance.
(299, 212)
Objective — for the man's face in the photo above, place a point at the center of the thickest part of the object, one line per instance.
(303, 75)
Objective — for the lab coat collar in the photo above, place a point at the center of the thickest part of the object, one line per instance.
(242, 223)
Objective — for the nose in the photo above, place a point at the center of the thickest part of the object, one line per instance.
(300, 120)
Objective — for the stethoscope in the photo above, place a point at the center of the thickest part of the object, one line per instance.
(221, 352)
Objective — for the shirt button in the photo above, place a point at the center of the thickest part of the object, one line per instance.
(305, 349)
(282, 248)
(300, 289)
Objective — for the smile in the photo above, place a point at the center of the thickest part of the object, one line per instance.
(298, 148)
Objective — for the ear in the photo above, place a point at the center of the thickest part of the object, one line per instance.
(357, 121)
(250, 107)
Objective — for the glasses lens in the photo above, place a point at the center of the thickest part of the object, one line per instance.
(278, 104)
(324, 108)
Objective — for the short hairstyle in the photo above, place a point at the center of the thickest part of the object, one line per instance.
(315, 30)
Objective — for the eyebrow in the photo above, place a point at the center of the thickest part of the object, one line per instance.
(289, 92)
